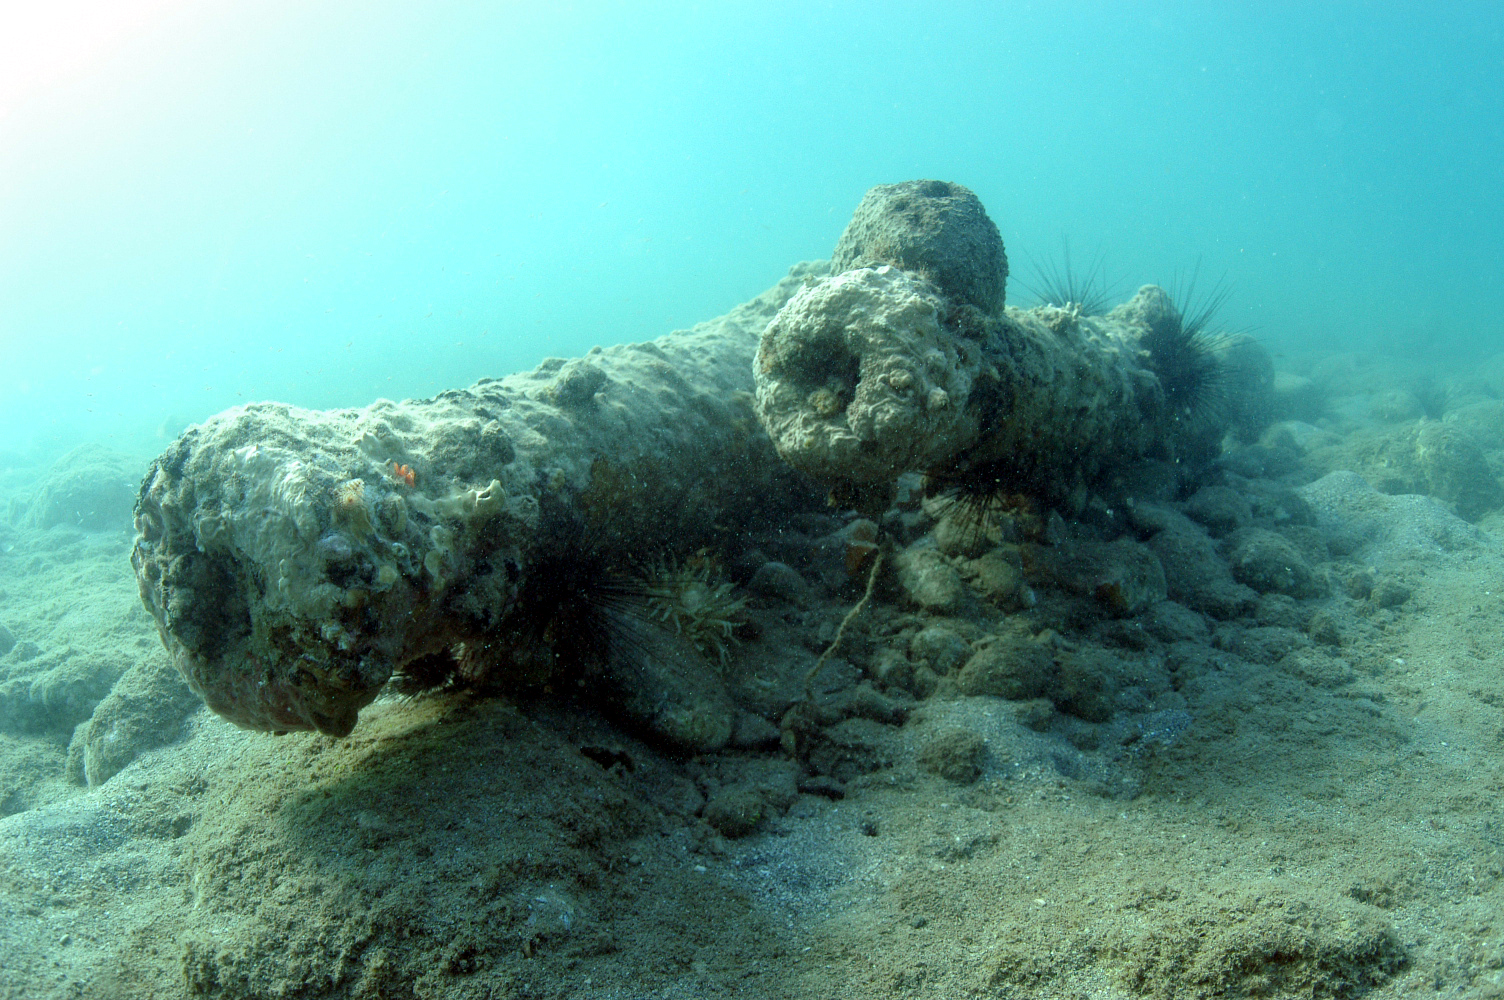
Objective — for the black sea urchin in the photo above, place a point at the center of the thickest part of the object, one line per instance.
(981, 501)
(1060, 284)
(1185, 353)
(574, 615)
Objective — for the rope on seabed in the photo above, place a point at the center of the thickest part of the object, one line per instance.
(809, 678)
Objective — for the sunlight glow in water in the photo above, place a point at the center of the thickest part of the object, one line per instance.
(43, 45)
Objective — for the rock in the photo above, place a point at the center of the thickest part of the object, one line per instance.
(31, 770)
(753, 732)
(1318, 668)
(1086, 683)
(145, 710)
(1335, 625)
(1310, 542)
(1034, 714)
(754, 790)
(1392, 529)
(938, 647)
(53, 690)
(1388, 592)
(1187, 661)
(1150, 480)
(1123, 575)
(1429, 457)
(7, 640)
(998, 575)
(961, 532)
(735, 812)
(1267, 562)
(1296, 397)
(1268, 939)
(1281, 610)
(665, 685)
(1396, 406)
(824, 786)
(1267, 460)
(1010, 667)
(1169, 621)
(1195, 573)
(893, 669)
(1248, 382)
(851, 748)
(779, 580)
(1264, 644)
(955, 755)
(935, 229)
(1455, 470)
(1220, 509)
(866, 702)
(930, 581)
(90, 487)
(1483, 422)
(1130, 578)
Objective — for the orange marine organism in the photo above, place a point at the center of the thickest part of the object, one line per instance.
(405, 473)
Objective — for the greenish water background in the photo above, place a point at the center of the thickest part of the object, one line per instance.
(325, 203)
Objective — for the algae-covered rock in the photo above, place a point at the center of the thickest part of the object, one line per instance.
(1263, 940)
(1268, 562)
(954, 754)
(1195, 573)
(1482, 421)
(91, 487)
(1296, 397)
(930, 581)
(1169, 621)
(143, 711)
(998, 575)
(53, 690)
(756, 791)
(31, 773)
(938, 647)
(1455, 470)
(1248, 385)
(779, 580)
(735, 812)
(1086, 683)
(1220, 509)
(1428, 457)
(1010, 667)
(1124, 576)
(665, 683)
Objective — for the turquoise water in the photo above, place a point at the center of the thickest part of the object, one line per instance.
(326, 203)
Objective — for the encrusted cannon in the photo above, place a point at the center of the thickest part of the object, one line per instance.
(296, 560)
(905, 358)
